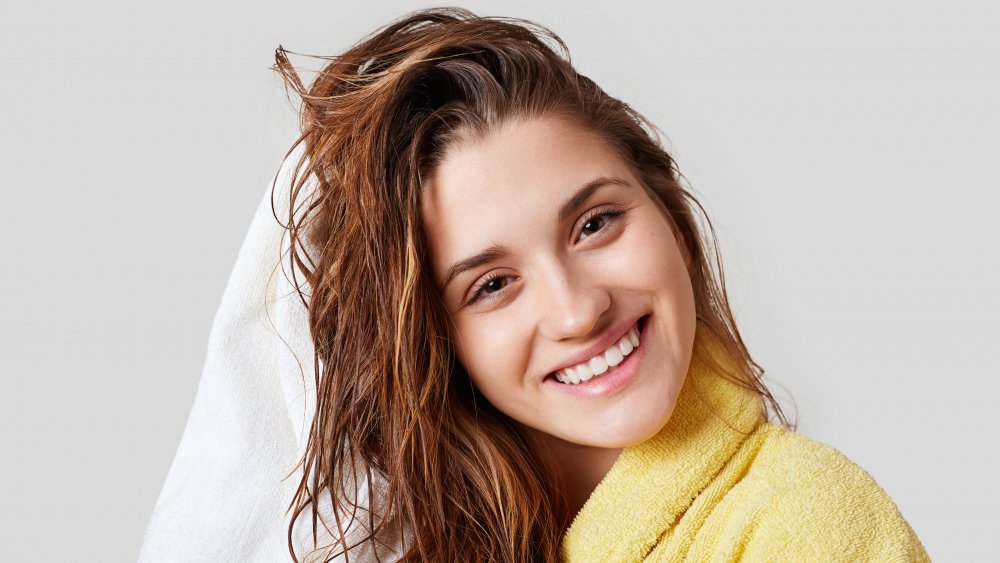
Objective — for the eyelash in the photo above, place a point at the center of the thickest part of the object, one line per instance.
(610, 215)
(480, 289)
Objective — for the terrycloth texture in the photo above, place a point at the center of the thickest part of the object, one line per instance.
(702, 490)
(226, 494)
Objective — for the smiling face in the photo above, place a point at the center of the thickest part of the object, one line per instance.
(554, 262)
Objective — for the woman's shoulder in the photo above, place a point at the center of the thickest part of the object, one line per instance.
(805, 498)
(786, 459)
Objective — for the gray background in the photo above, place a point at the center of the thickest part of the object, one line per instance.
(847, 152)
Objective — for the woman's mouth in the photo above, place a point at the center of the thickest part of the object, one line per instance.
(604, 362)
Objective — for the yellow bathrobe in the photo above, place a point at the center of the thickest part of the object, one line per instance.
(702, 490)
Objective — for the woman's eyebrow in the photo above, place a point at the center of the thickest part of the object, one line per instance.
(584, 193)
(490, 254)
(565, 210)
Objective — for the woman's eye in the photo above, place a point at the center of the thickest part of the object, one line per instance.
(594, 223)
(488, 288)
(494, 285)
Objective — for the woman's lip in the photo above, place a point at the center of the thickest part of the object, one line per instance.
(611, 382)
(598, 347)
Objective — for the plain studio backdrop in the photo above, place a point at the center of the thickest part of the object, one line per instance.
(847, 152)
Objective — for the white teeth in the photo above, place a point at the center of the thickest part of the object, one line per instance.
(601, 363)
(614, 356)
(573, 376)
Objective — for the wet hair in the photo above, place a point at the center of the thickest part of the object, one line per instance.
(397, 423)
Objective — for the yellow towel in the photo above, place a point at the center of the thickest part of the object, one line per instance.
(702, 490)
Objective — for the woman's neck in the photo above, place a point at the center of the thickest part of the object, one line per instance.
(577, 469)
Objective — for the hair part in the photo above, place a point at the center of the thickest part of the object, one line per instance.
(391, 397)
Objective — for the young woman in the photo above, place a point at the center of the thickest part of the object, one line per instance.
(523, 344)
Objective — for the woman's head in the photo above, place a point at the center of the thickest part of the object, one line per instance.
(451, 144)
(553, 262)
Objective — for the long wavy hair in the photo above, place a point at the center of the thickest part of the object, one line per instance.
(398, 427)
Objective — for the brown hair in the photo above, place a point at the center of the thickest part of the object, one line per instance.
(391, 399)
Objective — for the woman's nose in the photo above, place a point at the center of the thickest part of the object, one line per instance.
(571, 304)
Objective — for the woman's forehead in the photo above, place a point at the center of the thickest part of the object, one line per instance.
(530, 159)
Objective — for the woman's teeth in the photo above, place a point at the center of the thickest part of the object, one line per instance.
(601, 363)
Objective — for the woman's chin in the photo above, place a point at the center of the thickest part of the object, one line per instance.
(622, 430)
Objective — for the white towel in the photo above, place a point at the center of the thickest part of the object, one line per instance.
(226, 495)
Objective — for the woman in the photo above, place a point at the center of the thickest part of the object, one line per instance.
(524, 347)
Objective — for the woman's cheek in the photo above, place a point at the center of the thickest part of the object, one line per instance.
(487, 350)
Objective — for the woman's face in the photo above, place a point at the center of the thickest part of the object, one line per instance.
(572, 306)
